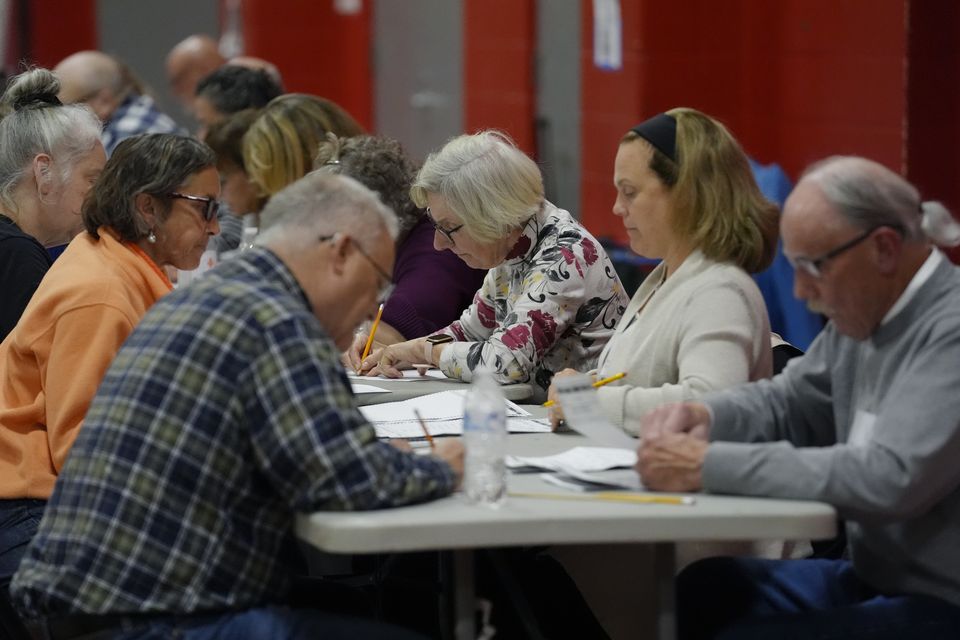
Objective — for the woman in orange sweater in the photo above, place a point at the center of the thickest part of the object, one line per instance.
(154, 205)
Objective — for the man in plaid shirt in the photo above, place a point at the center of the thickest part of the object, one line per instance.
(115, 94)
(225, 413)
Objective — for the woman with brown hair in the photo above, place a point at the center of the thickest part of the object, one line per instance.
(697, 323)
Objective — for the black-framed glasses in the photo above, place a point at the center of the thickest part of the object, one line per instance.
(814, 266)
(387, 287)
(446, 233)
(211, 206)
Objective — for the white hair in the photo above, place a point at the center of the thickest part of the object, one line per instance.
(36, 123)
(486, 180)
(868, 195)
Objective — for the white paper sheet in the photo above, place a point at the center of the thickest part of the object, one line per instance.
(581, 411)
(596, 480)
(578, 459)
(443, 414)
(411, 429)
(367, 388)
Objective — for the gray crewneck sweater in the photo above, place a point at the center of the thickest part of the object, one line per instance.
(897, 480)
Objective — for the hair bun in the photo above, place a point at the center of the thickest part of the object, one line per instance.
(34, 89)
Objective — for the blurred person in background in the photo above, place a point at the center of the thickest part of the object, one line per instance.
(50, 155)
(282, 142)
(239, 194)
(114, 93)
(190, 60)
(230, 89)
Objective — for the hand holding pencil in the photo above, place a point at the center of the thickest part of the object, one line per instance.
(556, 413)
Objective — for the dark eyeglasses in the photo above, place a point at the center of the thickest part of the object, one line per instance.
(211, 205)
(446, 233)
(814, 266)
(387, 287)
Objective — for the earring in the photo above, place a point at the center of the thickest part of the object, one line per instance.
(152, 237)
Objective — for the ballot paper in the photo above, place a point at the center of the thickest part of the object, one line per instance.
(367, 388)
(443, 414)
(581, 411)
(595, 480)
(584, 459)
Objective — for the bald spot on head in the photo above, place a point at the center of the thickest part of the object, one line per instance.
(84, 73)
(191, 59)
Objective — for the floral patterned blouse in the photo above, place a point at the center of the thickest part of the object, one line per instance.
(552, 303)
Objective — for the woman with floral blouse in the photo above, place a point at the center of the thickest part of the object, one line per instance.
(551, 297)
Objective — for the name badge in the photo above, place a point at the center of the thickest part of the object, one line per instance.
(861, 433)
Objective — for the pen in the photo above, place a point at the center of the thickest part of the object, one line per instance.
(423, 425)
(608, 496)
(598, 383)
(373, 331)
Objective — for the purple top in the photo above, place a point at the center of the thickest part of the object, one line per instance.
(433, 287)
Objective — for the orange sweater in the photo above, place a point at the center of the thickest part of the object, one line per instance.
(52, 362)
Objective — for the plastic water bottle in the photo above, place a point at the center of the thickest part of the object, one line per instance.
(248, 237)
(485, 441)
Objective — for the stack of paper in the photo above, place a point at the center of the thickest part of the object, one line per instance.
(443, 414)
(584, 468)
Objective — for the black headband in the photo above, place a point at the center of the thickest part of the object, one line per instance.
(661, 132)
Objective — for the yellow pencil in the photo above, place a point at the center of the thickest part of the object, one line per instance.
(608, 496)
(426, 432)
(373, 331)
(598, 383)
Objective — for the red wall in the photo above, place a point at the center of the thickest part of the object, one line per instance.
(795, 80)
(57, 29)
(317, 50)
(498, 89)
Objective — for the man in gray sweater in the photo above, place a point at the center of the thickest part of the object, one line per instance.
(868, 421)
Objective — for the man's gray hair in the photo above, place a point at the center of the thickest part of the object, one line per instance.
(868, 195)
(321, 204)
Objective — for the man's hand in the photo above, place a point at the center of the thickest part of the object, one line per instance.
(672, 462)
(691, 418)
(351, 357)
(450, 450)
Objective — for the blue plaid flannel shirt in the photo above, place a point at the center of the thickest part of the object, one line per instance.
(136, 114)
(225, 413)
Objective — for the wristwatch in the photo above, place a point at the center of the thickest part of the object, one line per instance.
(438, 338)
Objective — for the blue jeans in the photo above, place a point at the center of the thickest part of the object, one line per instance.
(19, 520)
(752, 598)
(274, 622)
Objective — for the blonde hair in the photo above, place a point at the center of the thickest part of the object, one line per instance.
(717, 204)
(490, 184)
(280, 144)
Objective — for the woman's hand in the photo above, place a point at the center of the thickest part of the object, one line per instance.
(556, 411)
(392, 359)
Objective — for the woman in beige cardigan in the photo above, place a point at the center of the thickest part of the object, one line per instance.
(698, 323)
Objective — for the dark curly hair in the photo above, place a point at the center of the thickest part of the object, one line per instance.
(381, 165)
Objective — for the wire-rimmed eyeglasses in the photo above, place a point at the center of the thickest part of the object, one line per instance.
(446, 233)
(388, 285)
(813, 267)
